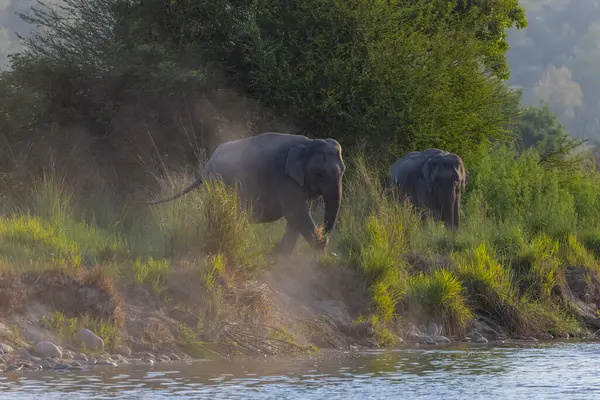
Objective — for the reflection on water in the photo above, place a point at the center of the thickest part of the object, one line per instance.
(567, 370)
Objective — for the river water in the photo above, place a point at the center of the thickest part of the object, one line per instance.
(568, 370)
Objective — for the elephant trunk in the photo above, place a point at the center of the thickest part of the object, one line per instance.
(449, 212)
(456, 220)
(332, 206)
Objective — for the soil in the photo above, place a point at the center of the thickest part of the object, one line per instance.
(291, 306)
(294, 304)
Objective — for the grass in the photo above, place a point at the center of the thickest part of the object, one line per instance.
(524, 225)
(66, 328)
(440, 295)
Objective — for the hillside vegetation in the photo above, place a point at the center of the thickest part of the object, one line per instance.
(116, 101)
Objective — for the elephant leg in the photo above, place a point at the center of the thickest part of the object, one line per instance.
(288, 242)
(304, 224)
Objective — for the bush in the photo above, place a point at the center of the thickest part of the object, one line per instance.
(490, 288)
(539, 269)
(439, 295)
(210, 219)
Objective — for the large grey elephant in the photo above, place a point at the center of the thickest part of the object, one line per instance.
(280, 174)
(433, 180)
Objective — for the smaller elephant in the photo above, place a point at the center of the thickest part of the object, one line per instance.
(433, 180)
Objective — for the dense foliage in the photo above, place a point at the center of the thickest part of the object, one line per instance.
(393, 75)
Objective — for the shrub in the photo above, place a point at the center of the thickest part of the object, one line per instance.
(439, 295)
(211, 219)
(490, 288)
(539, 269)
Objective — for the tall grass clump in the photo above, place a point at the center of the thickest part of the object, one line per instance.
(50, 198)
(49, 231)
(490, 288)
(150, 272)
(211, 220)
(439, 295)
(539, 268)
(575, 253)
(550, 318)
(171, 227)
(375, 234)
(227, 227)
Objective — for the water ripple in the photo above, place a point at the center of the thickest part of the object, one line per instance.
(565, 370)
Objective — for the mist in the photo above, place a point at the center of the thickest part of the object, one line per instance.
(555, 60)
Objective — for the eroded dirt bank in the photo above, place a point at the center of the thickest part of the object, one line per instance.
(297, 307)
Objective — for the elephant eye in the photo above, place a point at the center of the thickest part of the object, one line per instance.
(320, 174)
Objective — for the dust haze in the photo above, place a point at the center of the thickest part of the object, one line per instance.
(141, 155)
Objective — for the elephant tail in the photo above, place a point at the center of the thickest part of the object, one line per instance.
(191, 187)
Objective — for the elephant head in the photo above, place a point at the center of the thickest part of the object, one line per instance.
(445, 177)
(318, 167)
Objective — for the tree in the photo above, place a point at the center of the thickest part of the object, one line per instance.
(394, 75)
(539, 128)
(490, 19)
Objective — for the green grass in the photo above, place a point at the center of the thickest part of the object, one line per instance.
(523, 225)
(209, 220)
(66, 329)
(193, 347)
(440, 295)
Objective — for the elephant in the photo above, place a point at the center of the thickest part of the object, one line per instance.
(281, 174)
(433, 180)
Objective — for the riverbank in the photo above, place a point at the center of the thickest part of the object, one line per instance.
(293, 307)
(195, 278)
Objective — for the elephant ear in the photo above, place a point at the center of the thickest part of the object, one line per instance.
(295, 163)
(430, 169)
(461, 171)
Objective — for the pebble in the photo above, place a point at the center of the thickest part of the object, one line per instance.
(14, 367)
(89, 339)
(109, 363)
(125, 351)
(440, 339)
(5, 349)
(66, 360)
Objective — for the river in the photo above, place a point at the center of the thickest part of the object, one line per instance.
(567, 370)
